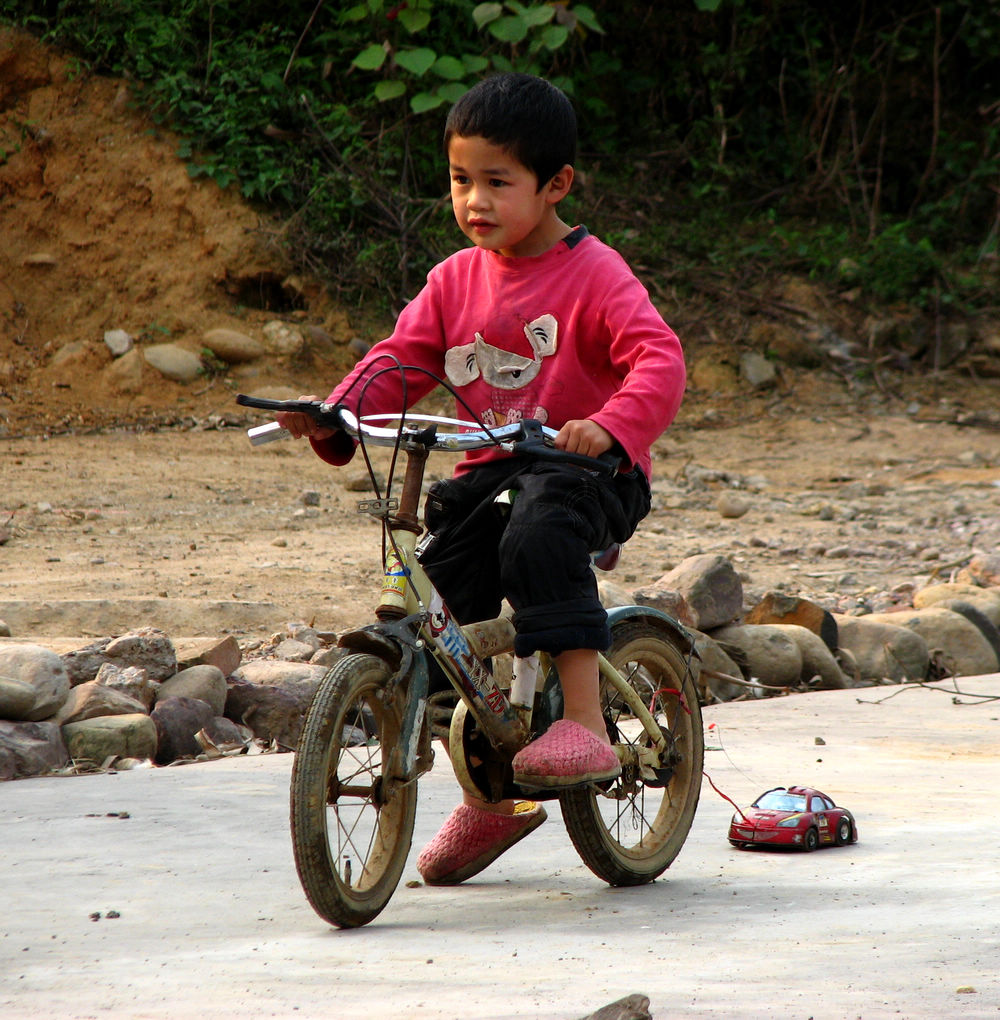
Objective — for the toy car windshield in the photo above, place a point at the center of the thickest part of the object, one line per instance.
(778, 800)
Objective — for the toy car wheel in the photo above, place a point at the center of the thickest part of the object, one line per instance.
(811, 840)
(843, 832)
(739, 844)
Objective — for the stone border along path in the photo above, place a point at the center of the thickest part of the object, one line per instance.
(146, 697)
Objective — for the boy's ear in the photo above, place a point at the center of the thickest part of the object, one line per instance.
(559, 184)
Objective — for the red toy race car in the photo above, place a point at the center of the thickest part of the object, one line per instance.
(797, 817)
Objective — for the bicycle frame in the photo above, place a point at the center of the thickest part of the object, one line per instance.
(413, 619)
(410, 602)
(366, 738)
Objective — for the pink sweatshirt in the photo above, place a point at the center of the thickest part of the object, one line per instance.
(564, 335)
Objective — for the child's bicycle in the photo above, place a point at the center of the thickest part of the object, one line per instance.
(366, 738)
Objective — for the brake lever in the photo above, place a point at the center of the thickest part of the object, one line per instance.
(318, 410)
(309, 407)
(536, 444)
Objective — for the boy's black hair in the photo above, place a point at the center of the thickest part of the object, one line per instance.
(527, 116)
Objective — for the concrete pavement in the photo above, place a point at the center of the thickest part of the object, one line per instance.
(212, 921)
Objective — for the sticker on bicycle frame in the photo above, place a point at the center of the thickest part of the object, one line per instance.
(394, 581)
(475, 677)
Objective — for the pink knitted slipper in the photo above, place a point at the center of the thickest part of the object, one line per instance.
(472, 838)
(565, 755)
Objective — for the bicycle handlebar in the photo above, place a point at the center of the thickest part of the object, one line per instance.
(522, 437)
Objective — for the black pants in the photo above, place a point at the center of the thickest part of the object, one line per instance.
(534, 552)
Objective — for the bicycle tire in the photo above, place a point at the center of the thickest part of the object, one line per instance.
(629, 832)
(351, 825)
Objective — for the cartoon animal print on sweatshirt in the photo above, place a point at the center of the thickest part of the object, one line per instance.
(511, 377)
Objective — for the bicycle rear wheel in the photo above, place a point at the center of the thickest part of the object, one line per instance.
(630, 832)
(351, 824)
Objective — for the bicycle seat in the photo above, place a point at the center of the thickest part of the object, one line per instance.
(607, 559)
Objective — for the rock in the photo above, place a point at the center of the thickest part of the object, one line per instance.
(177, 720)
(83, 664)
(632, 1007)
(883, 650)
(233, 347)
(43, 670)
(305, 634)
(93, 699)
(986, 600)
(224, 653)
(975, 616)
(710, 587)
(147, 647)
(959, 643)
(786, 343)
(125, 374)
(775, 607)
(222, 734)
(757, 370)
(785, 655)
(613, 595)
(282, 339)
(17, 698)
(118, 342)
(132, 681)
(715, 660)
(327, 657)
(358, 347)
(270, 713)
(849, 666)
(300, 680)
(666, 600)
(294, 651)
(71, 355)
(205, 683)
(730, 505)
(361, 481)
(983, 569)
(30, 749)
(41, 259)
(819, 667)
(111, 736)
(771, 654)
(173, 362)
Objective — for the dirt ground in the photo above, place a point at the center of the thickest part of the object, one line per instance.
(177, 516)
(852, 485)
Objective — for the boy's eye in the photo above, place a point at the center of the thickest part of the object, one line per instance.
(496, 182)
(460, 179)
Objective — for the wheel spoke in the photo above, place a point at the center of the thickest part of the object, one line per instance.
(349, 817)
(368, 766)
(345, 841)
(350, 839)
(629, 833)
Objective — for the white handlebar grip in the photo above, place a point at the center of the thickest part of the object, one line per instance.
(268, 433)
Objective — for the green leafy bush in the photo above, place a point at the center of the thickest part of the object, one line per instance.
(878, 125)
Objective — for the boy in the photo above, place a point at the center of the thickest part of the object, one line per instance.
(535, 320)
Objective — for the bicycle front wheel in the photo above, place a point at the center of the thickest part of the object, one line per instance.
(352, 824)
(630, 832)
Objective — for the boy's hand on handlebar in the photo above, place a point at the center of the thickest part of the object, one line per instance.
(299, 424)
(584, 436)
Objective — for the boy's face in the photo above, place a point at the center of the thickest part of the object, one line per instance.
(497, 202)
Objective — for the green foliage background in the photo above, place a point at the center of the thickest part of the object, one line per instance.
(853, 141)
